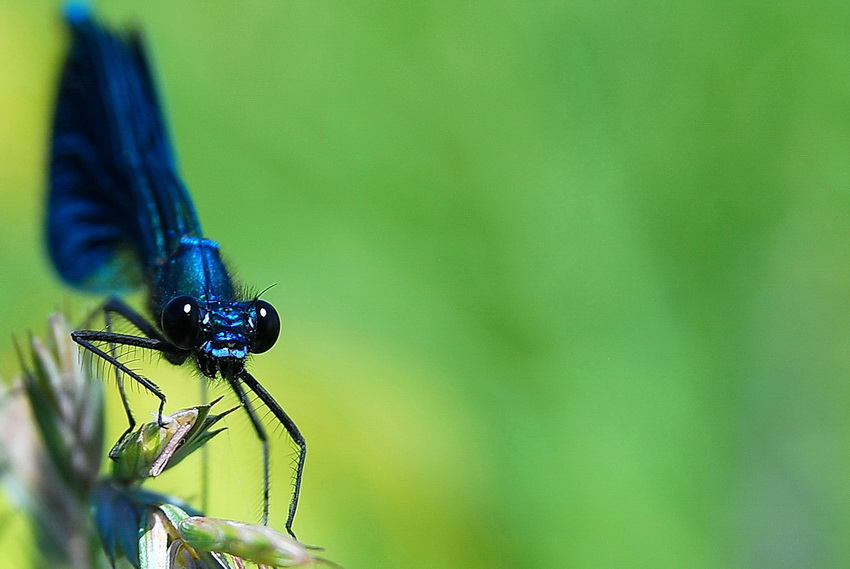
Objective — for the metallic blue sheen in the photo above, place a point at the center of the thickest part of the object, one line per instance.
(117, 209)
(119, 218)
(118, 215)
(120, 515)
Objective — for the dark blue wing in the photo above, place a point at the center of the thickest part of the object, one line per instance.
(116, 205)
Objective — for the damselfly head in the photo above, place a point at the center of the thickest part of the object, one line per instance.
(221, 334)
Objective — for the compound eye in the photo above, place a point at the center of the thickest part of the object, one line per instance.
(266, 327)
(181, 321)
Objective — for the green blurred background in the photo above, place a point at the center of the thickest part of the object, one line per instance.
(564, 284)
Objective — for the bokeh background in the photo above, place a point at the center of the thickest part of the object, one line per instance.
(564, 284)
